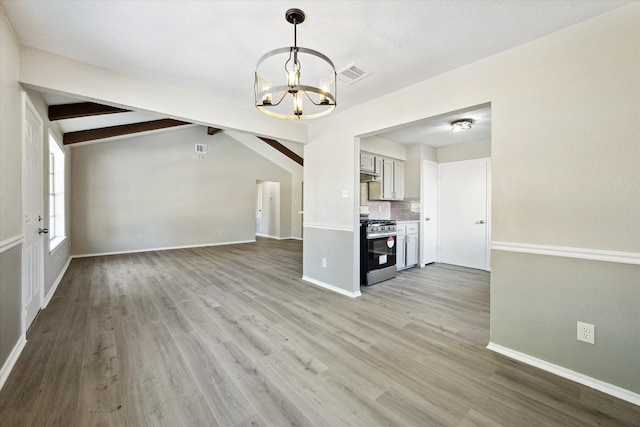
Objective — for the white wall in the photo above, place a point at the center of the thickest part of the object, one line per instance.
(564, 174)
(148, 192)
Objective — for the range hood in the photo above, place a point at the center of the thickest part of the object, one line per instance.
(369, 176)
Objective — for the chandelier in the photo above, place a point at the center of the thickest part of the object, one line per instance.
(272, 85)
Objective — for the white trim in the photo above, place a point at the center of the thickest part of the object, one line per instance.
(11, 242)
(610, 389)
(278, 238)
(328, 227)
(169, 248)
(331, 287)
(569, 252)
(53, 289)
(12, 359)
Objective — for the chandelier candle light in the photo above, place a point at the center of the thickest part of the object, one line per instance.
(318, 68)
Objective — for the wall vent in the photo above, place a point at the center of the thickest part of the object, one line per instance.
(201, 148)
(352, 74)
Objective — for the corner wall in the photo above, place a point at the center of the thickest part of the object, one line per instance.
(573, 189)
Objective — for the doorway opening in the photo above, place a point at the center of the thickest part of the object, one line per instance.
(430, 148)
(268, 209)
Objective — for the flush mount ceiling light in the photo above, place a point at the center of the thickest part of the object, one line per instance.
(462, 124)
(272, 85)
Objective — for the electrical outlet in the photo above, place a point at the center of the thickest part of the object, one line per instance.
(140, 236)
(324, 263)
(586, 333)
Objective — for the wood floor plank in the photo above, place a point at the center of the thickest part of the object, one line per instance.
(231, 336)
(274, 406)
(228, 403)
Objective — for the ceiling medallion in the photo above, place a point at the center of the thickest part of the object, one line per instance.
(272, 85)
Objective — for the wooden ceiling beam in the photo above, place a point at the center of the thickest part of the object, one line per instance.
(212, 131)
(81, 109)
(111, 131)
(284, 150)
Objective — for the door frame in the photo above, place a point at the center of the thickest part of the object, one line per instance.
(423, 209)
(26, 196)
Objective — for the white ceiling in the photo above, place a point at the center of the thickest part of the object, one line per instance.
(437, 131)
(213, 46)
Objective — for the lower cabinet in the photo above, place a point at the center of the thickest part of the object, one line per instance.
(407, 248)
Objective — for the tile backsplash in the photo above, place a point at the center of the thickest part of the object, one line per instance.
(379, 210)
(400, 210)
(406, 210)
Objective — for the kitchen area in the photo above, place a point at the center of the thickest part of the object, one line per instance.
(425, 196)
(389, 223)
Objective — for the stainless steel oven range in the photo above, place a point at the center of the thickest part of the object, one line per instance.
(377, 250)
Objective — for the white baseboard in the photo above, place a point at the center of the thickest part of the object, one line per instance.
(47, 299)
(268, 236)
(12, 359)
(560, 371)
(162, 249)
(278, 238)
(331, 287)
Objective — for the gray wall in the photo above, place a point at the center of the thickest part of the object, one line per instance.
(340, 261)
(535, 290)
(148, 192)
(10, 191)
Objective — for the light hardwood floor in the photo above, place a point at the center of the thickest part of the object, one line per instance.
(231, 336)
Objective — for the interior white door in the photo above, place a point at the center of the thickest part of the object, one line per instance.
(464, 213)
(429, 212)
(34, 231)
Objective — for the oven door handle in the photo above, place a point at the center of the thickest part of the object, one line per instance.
(380, 235)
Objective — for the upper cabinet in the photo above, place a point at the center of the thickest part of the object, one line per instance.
(367, 162)
(391, 184)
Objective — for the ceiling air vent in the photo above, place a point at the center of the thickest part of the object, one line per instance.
(352, 74)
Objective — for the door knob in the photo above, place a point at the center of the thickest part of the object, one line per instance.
(481, 221)
(43, 230)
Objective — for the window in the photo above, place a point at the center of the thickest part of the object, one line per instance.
(57, 231)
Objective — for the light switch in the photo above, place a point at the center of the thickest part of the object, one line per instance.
(345, 194)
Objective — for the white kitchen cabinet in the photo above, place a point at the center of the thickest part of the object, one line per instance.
(407, 244)
(367, 162)
(391, 185)
(398, 180)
